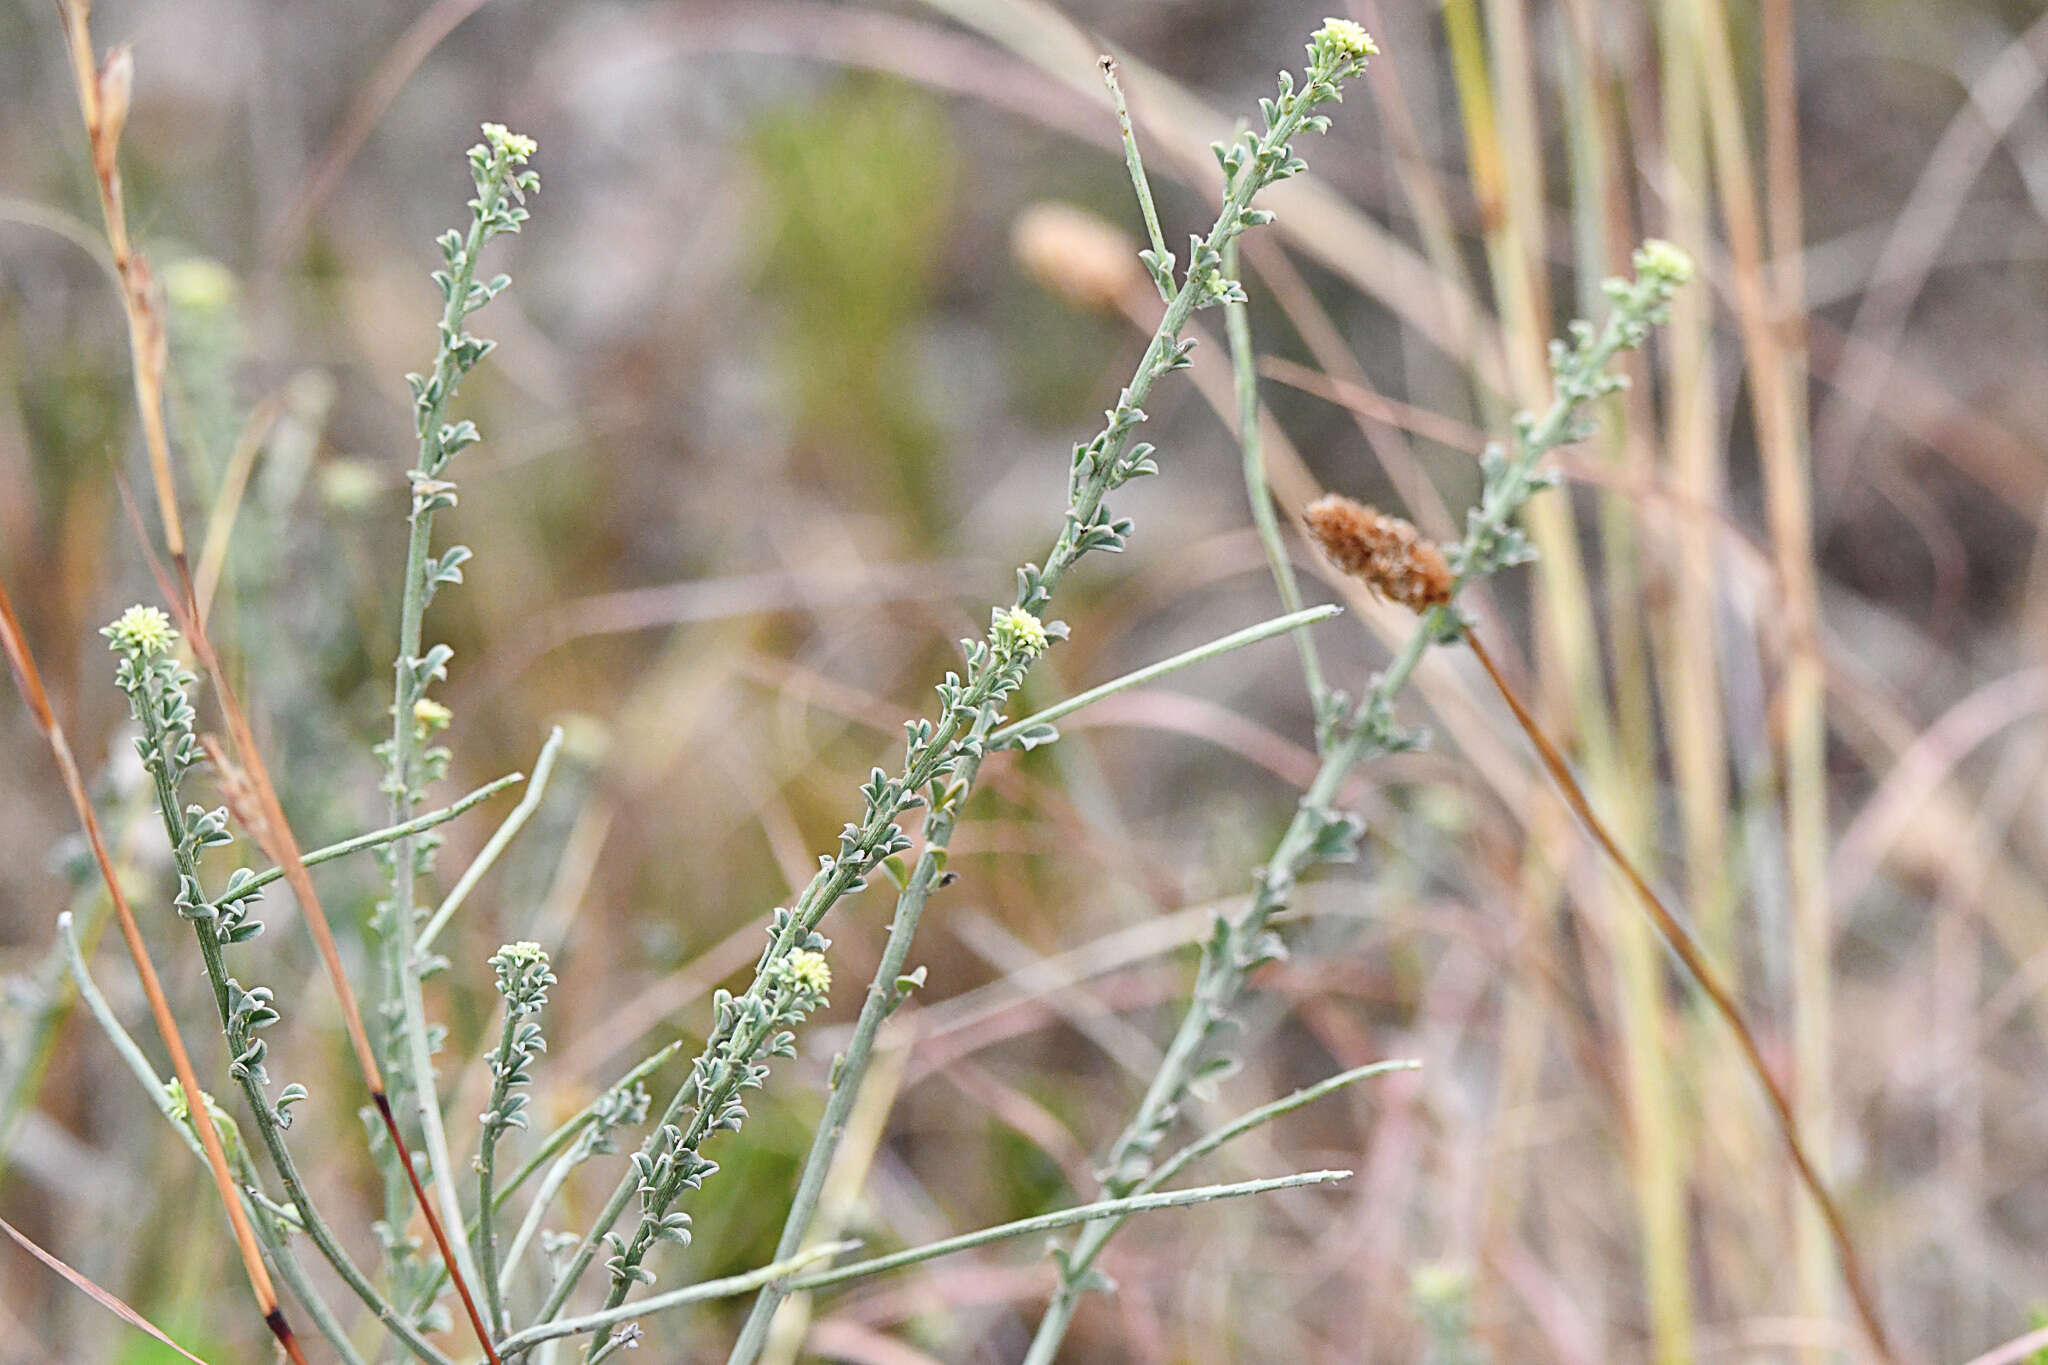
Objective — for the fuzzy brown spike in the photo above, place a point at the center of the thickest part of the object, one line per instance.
(1390, 556)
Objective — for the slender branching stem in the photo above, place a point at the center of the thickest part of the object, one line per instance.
(1029, 731)
(156, 687)
(670, 1162)
(267, 1219)
(1317, 833)
(786, 1269)
(494, 848)
(494, 167)
(377, 838)
(1244, 369)
(890, 984)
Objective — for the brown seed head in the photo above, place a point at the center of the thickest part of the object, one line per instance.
(1387, 553)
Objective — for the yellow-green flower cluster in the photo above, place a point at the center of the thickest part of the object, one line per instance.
(1015, 633)
(1344, 39)
(808, 973)
(1662, 260)
(429, 717)
(516, 146)
(142, 631)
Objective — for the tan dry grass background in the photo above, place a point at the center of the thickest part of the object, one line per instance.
(774, 409)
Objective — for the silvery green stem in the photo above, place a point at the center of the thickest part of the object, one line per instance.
(377, 838)
(939, 749)
(1028, 732)
(524, 978)
(1158, 260)
(276, 1246)
(1243, 365)
(1052, 1222)
(782, 1271)
(1316, 833)
(494, 170)
(885, 992)
(624, 1099)
(156, 688)
(887, 989)
(500, 840)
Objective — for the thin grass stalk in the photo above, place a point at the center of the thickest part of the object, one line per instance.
(1777, 384)
(1659, 1130)
(1708, 978)
(1500, 120)
(103, 93)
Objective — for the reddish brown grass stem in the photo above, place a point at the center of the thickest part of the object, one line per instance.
(1708, 978)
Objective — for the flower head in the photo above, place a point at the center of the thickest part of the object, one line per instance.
(807, 973)
(1016, 632)
(1660, 260)
(142, 631)
(523, 975)
(429, 717)
(1342, 40)
(516, 147)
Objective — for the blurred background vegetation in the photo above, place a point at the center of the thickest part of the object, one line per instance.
(786, 387)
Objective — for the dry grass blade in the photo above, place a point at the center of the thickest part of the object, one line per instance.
(1708, 978)
(103, 102)
(98, 1295)
(30, 683)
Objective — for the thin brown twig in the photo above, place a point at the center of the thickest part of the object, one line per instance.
(1708, 978)
(28, 680)
(103, 92)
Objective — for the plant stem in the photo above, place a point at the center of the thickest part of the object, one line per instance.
(529, 802)
(885, 992)
(561, 1137)
(1160, 261)
(945, 746)
(263, 1112)
(1003, 1232)
(1236, 946)
(377, 838)
(486, 1172)
(1250, 635)
(492, 166)
(1244, 368)
(849, 1071)
(276, 1249)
